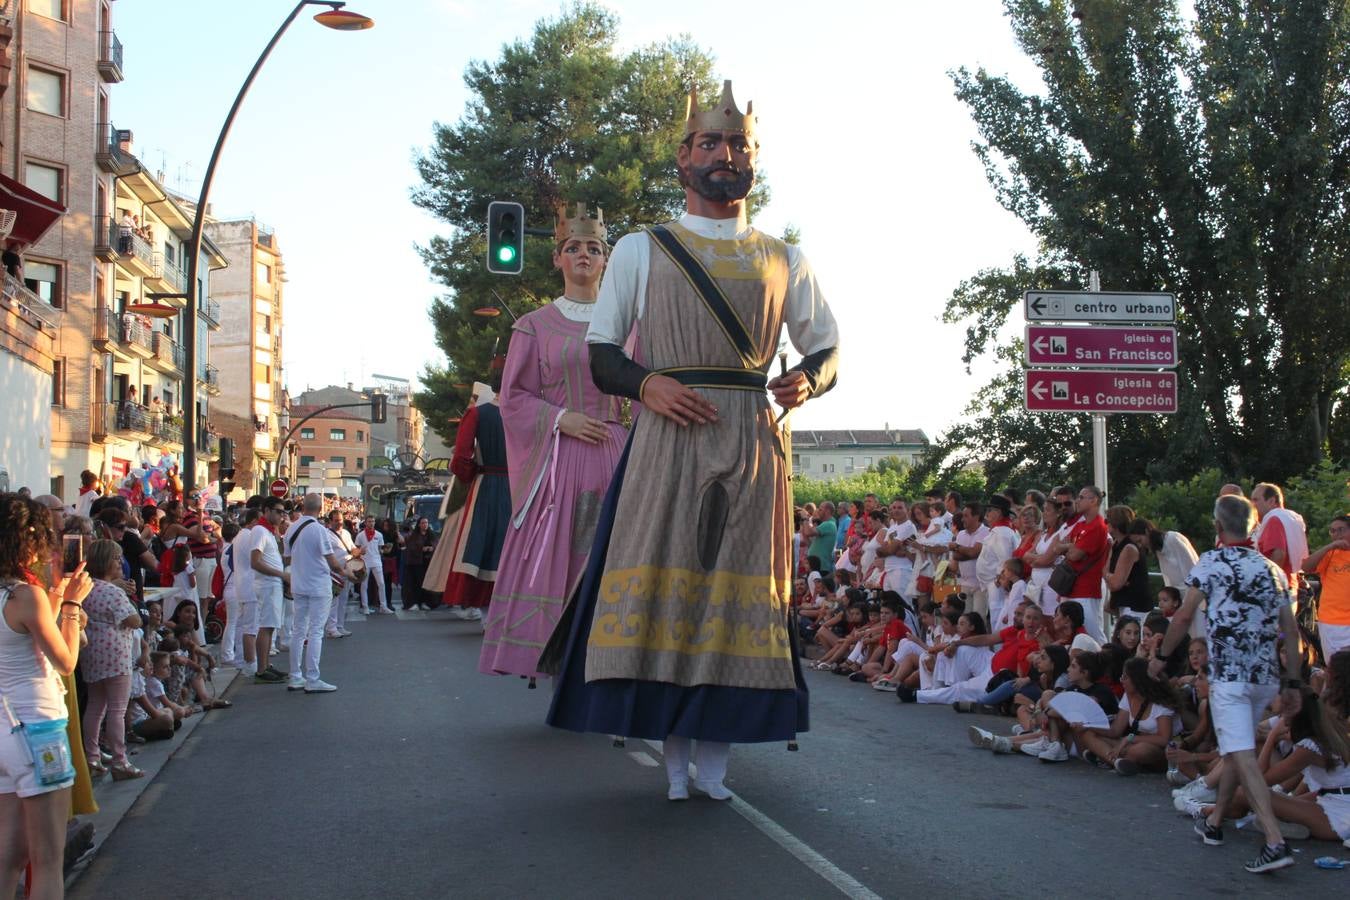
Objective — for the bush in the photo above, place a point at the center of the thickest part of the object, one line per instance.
(891, 482)
(1188, 506)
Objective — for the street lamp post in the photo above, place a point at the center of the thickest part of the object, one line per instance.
(336, 18)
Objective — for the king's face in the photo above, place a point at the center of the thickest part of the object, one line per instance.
(716, 148)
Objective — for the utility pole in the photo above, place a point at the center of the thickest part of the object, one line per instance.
(1098, 420)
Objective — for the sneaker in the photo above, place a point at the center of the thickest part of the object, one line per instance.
(386, 611)
(1271, 858)
(882, 684)
(1036, 747)
(228, 663)
(1019, 728)
(460, 613)
(334, 635)
(963, 706)
(678, 792)
(1054, 752)
(475, 615)
(282, 647)
(714, 789)
(1126, 767)
(980, 738)
(1212, 836)
(1001, 744)
(366, 612)
(1197, 790)
(319, 687)
(295, 683)
(1093, 759)
(275, 671)
(1177, 778)
(906, 694)
(344, 632)
(267, 676)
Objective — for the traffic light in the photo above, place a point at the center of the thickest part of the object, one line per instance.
(226, 483)
(506, 237)
(378, 408)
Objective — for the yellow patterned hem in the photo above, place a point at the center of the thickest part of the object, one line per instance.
(693, 613)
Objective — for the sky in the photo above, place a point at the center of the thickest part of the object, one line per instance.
(864, 144)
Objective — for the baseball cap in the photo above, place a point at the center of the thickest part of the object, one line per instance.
(1085, 643)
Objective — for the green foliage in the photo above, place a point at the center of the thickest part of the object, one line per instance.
(1209, 159)
(1318, 495)
(886, 482)
(560, 116)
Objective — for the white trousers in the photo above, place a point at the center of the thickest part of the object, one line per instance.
(710, 758)
(1093, 617)
(337, 616)
(379, 590)
(232, 641)
(311, 615)
(969, 673)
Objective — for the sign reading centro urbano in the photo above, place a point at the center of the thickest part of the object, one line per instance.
(1100, 391)
(1099, 306)
(1119, 347)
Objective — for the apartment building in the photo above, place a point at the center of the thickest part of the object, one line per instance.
(247, 348)
(117, 368)
(335, 439)
(826, 455)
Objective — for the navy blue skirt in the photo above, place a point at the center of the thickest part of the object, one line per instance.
(656, 709)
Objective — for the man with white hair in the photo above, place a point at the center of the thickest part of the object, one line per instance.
(313, 554)
(1248, 608)
(1282, 536)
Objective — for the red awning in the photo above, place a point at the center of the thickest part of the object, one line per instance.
(35, 212)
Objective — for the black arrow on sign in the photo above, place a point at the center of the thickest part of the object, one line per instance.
(1036, 305)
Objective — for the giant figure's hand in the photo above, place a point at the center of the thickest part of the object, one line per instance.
(665, 396)
(791, 390)
(583, 427)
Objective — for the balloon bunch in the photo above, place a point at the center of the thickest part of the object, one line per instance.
(158, 481)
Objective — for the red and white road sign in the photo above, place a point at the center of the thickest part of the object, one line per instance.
(1099, 391)
(1115, 347)
(280, 488)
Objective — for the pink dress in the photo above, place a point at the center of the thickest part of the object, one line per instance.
(557, 485)
(109, 652)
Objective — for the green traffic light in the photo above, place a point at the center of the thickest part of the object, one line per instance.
(506, 254)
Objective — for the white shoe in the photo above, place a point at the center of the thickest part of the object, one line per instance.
(295, 683)
(365, 611)
(275, 651)
(475, 615)
(319, 687)
(458, 612)
(1019, 728)
(678, 792)
(716, 790)
(1034, 748)
(980, 738)
(344, 632)
(1188, 806)
(386, 611)
(1197, 790)
(1001, 744)
(333, 635)
(1054, 752)
(282, 648)
(229, 663)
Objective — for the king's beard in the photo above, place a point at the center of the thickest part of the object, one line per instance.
(721, 190)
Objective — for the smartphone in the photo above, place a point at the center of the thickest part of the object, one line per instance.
(72, 552)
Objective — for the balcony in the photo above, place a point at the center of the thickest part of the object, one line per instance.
(131, 249)
(167, 355)
(16, 295)
(211, 381)
(109, 152)
(109, 57)
(208, 445)
(209, 310)
(123, 419)
(171, 278)
(167, 431)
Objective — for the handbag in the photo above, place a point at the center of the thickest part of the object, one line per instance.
(1062, 578)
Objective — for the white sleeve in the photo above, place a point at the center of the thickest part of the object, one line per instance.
(621, 291)
(810, 324)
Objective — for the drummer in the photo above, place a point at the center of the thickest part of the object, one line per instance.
(342, 592)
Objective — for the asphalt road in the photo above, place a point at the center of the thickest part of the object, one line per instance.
(422, 778)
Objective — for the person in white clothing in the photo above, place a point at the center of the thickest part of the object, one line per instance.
(241, 606)
(966, 550)
(369, 541)
(897, 550)
(996, 548)
(337, 616)
(268, 578)
(312, 552)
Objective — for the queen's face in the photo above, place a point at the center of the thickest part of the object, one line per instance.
(580, 260)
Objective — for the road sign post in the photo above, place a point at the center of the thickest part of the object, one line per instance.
(1099, 306)
(1101, 391)
(279, 488)
(1116, 347)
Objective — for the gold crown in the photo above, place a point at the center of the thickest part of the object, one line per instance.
(724, 117)
(582, 225)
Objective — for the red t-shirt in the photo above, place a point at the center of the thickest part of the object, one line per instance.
(896, 630)
(1273, 538)
(1027, 545)
(1089, 535)
(1014, 652)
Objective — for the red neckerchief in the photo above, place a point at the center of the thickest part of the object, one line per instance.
(1004, 525)
(265, 524)
(370, 534)
(29, 578)
(1247, 543)
(85, 490)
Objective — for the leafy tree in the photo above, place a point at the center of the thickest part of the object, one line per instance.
(559, 117)
(1208, 157)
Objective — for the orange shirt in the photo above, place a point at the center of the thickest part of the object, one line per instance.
(1334, 604)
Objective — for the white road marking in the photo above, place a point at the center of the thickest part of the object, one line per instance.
(844, 882)
(644, 759)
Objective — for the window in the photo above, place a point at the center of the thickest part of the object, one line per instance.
(359, 465)
(806, 462)
(848, 463)
(52, 9)
(264, 273)
(360, 439)
(44, 279)
(46, 91)
(306, 460)
(337, 434)
(264, 323)
(867, 461)
(46, 180)
(306, 434)
(59, 382)
(338, 461)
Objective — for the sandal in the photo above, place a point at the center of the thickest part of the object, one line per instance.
(218, 704)
(96, 769)
(126, 772)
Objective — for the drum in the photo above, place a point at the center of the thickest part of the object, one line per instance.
(356, 569)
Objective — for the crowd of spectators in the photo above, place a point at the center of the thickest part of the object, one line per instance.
(1105, 639)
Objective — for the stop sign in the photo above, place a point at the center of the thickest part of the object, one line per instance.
(280, 488)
